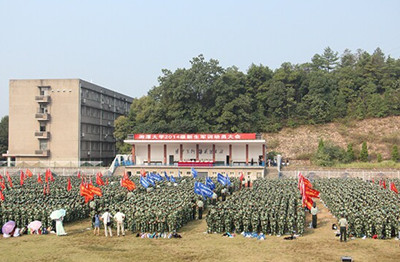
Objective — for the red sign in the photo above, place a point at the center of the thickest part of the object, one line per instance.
(243, 136)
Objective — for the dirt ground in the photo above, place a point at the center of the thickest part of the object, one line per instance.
(80, 245)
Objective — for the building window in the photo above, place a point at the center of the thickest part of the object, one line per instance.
(43, 144)
(42, 127)
(42, 109)
(44, 90)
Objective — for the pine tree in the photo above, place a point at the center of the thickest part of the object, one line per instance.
(379, 157)
(321, 145)
(350, 153)
(395, 153)
(364, 152)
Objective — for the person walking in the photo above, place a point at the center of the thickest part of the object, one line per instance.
(314, 212)
(106, 217)
(120, 217)
(343, 228)
(200, 206)
(96, 223)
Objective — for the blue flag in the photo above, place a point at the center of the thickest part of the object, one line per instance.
(144, 182)
(157, 177)
(210, 183)
(150, 179)
(166, 176)
(194, 172)
(227, 180)
(197, 189)
(221, 179)
(205, 190)
(172, 179)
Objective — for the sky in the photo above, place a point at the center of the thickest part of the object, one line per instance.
(124, 45)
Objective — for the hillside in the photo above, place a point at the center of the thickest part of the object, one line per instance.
(298, 144)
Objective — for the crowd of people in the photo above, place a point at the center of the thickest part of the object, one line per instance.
(270, 206)
(34, 201)
(267, 206)
(370, 209)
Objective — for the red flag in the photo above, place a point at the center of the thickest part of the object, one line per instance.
(143, 173)
(46, 176)
(29, 173)
(39, 179)
(1, 196)
(107, 181)
(99, 181)
(2, 185)
(384, 184)
(51, 176)
(79, 174)
(9, 179)
(308, 203)
(241, 177)
(21, 178)
(95, 190)
(86, 192)
(69, 186)
(310, 192)
(127, 183)
(393, 187)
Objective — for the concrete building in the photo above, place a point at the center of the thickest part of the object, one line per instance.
(62, 122)
(209, 154)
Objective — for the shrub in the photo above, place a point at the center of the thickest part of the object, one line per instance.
(328, 154)
(379, 157)
(364, 152)
(395, 153)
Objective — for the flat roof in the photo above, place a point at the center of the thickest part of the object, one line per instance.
(132, 141)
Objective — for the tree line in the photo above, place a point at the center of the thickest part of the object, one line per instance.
(209, 98)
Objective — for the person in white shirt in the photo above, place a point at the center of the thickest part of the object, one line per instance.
(106, 217)
(314, 212)
(119, 217)
(343, 228)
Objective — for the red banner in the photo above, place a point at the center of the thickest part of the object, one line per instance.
(242, 136)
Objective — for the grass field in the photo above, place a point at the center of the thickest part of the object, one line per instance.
(80, 245)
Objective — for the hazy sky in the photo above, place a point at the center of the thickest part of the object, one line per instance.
(123, 45)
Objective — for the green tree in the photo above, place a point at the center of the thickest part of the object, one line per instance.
(3, 135)
(364, 152)
(328, 154)
(395, 153)
(350, 156)
(379, 157)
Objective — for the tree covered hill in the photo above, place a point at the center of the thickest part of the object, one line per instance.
(209, 98)
(301, 143)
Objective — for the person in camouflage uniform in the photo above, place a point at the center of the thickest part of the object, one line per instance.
(370, 208)
(270, 206)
